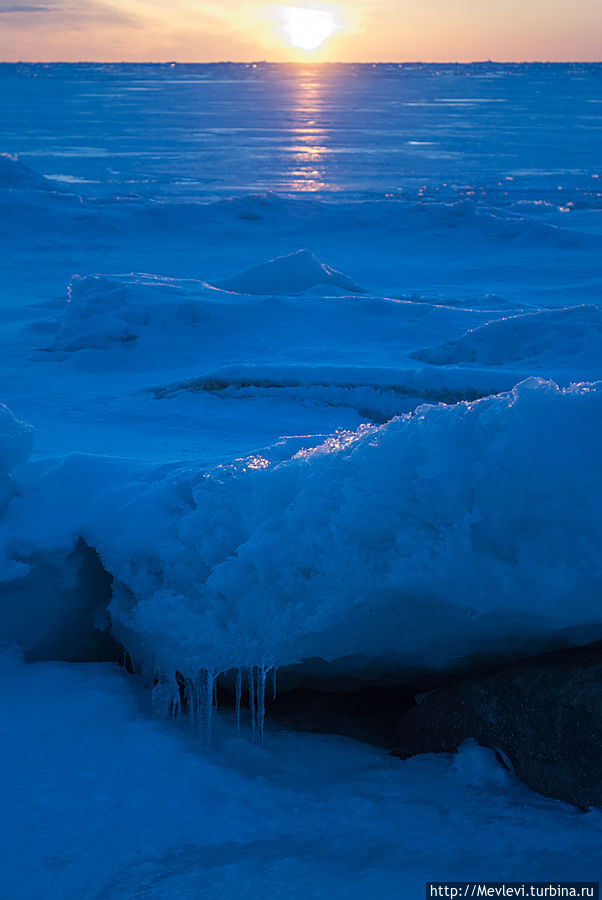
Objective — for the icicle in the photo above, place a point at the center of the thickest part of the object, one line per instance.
(205, 681)
(176, 707)
(238, 695)
(190, 692)
(261, 678)
(166, 697)
(252, 698)
(200, 695)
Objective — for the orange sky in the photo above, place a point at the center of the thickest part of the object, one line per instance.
(371, 30)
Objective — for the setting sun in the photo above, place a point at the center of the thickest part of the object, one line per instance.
(308, 28)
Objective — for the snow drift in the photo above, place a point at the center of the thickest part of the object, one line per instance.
(106, 312)
(100, 313)
(557, 336)
(290, 274)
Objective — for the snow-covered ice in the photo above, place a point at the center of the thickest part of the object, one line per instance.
(570, 336)
(479, 519)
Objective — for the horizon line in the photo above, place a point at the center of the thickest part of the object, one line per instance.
(257, 62)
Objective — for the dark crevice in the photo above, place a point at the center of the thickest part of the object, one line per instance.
(69, 599)
(219, 384)
(370, 714)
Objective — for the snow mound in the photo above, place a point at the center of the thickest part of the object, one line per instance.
(446, 533)
(290, 274)
(15, 174)
(104, 312)
(107, 312)
(111, 311)
(556, 335)
(98, 315)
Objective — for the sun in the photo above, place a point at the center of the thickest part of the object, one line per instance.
(308, 28)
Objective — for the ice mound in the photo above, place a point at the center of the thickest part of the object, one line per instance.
(555, 335)
(446, 533)
(290, 274)
(98, 315)
(106, 312)
(15, 174)
(478, 218)
(254, 207)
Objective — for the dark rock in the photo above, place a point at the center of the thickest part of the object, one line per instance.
(369, 714)
(545, 713)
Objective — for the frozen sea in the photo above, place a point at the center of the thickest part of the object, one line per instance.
(310, 357)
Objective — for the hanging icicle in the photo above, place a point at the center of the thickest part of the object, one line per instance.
(238, 696)
(252, 698)
(166, 697)
(191, 702)
(206, 681)
(261, 678)
(200, 695)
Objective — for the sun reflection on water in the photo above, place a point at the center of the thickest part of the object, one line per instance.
(308, 149)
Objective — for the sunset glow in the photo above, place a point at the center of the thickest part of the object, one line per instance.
(298, 30)
(307, 28)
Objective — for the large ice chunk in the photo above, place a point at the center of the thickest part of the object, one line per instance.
(444, 534)
(448, 534)
(100, 313)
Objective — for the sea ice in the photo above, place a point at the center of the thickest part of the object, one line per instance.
(250, 459)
